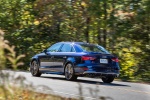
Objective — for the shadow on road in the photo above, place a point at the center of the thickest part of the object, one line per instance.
(86, 81)
(101, 83)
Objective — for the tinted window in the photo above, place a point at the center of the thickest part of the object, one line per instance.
(93, 48)
(67, 48)
(54, 48)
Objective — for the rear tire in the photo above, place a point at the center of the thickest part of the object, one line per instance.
(35, 69)
(108, 79)
(70, 73)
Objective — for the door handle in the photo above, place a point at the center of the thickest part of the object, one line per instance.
(64, 57)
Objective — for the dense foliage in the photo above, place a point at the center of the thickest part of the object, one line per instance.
(122, 26)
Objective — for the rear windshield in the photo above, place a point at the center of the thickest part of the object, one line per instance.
(93, 48)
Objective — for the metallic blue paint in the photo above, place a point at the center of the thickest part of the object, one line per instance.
(60, 59)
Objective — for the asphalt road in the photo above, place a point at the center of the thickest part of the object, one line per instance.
(85, 88)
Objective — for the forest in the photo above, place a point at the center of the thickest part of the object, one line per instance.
(121, 26)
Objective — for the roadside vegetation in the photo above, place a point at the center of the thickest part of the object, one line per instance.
(24, 94)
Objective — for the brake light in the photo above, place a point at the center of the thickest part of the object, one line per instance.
(115, 59)
(88, 58)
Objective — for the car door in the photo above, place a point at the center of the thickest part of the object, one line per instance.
(48, 62)
(61, 56)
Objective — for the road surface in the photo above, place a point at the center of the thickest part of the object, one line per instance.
(84, 88)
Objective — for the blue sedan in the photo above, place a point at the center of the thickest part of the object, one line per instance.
(74, 59)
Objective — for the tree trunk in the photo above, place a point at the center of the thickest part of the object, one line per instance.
(105, 24)
(87, 29)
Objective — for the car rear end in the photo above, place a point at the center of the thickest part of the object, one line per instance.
(100, 65)
(97, 63)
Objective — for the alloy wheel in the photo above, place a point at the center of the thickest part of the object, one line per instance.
(35, 69)
(69, 71)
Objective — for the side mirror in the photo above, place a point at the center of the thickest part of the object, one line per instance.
(45, 50)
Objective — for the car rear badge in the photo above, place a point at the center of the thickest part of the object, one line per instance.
(104, 57)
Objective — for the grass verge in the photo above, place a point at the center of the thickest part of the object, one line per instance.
(15, 93)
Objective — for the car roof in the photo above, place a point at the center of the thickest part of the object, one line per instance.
(75, 42)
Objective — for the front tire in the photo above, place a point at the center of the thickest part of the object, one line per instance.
(70, 73)
(108, 79)
(35, 68)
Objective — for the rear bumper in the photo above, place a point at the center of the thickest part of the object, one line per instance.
(101, 73)
(97, 70)
(98, 74)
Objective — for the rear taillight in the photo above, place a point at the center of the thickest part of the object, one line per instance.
(115, 59)
(87, 58)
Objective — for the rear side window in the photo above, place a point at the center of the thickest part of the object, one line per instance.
(54, 48)
(67, 48)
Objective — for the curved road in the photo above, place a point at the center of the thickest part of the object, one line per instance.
(86, 88)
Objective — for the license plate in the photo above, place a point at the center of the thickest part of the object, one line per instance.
(103, 61)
